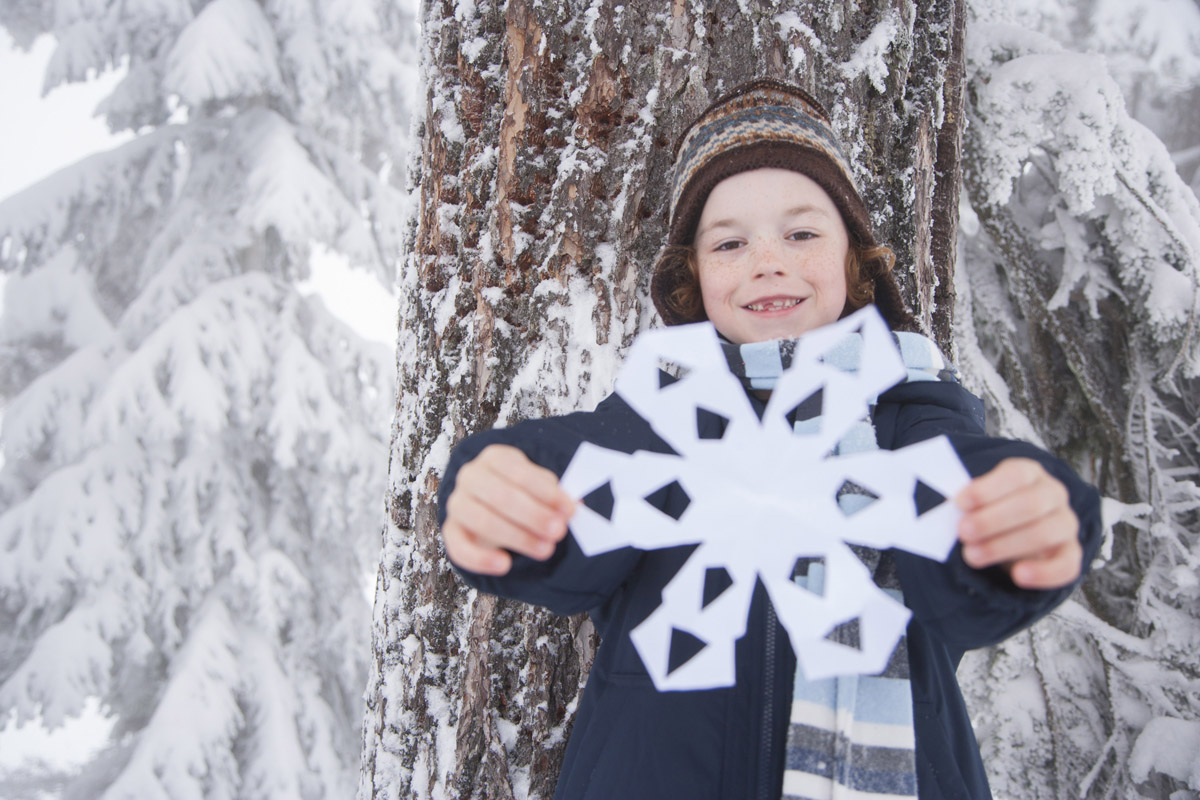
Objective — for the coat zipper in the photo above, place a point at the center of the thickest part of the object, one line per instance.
(768, 725)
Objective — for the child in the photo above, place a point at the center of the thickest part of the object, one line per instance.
(769, 238)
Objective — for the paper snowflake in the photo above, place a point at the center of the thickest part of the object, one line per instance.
(762, 497)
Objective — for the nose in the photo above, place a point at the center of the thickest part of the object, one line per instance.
(768, 260)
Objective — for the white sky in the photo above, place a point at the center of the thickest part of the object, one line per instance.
(38, 135)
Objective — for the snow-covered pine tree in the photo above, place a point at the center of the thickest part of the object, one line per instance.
(1080, 273)
(193, 450)
(1151, 49)
(545, 137)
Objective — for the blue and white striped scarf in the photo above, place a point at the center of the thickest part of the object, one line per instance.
(849, 736)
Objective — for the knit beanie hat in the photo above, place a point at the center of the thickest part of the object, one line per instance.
(765, 123)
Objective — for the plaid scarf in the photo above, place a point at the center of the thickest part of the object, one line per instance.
(849, 736)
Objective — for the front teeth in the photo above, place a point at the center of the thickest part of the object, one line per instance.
(774, 305)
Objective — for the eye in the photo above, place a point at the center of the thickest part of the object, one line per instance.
(727, 245)
(800, 236)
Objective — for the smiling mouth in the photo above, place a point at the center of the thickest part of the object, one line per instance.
(774, 305)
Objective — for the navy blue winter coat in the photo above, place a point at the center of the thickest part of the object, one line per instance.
(631, 741)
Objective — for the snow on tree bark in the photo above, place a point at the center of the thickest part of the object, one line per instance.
(546, 139)
(1083, 277)
(192, 447)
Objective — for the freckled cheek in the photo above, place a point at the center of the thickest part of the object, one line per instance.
(716, 283)
(712, 299)
(827, 264)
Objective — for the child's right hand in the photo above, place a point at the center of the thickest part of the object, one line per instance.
(503, 503)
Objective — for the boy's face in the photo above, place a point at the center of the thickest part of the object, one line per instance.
(771, 255)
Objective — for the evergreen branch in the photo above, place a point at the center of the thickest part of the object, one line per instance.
(1161, 217)
(1086, 783)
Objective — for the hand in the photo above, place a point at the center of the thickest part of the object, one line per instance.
(503, 503)
(1018, 516)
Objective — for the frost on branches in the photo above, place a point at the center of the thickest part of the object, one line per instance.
(193, 449)
(1150, 47)
(759, 473)
(1080, 272)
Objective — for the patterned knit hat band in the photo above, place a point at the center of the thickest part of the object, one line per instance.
(786, 128)
(748, 128)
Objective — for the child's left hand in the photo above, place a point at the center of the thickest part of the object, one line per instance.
(1017, 516)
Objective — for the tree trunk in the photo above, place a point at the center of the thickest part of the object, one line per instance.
(546, 144)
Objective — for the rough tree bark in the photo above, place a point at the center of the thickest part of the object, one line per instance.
(546, 140)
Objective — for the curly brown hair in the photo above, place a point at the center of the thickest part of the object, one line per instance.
(864, 267)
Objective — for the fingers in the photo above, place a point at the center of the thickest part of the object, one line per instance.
(1018, 516)
(1021, 541)
(1057, 567)
(488, 526)
(1043, 555)
(1010, 476)
(512, 466)
(505, 480)
(503, 503)
(465, 551)
(1015, 494)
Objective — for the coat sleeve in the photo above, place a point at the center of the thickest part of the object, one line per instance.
(568, 582)
(962, 606)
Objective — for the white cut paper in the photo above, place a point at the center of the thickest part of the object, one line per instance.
(762, 497)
